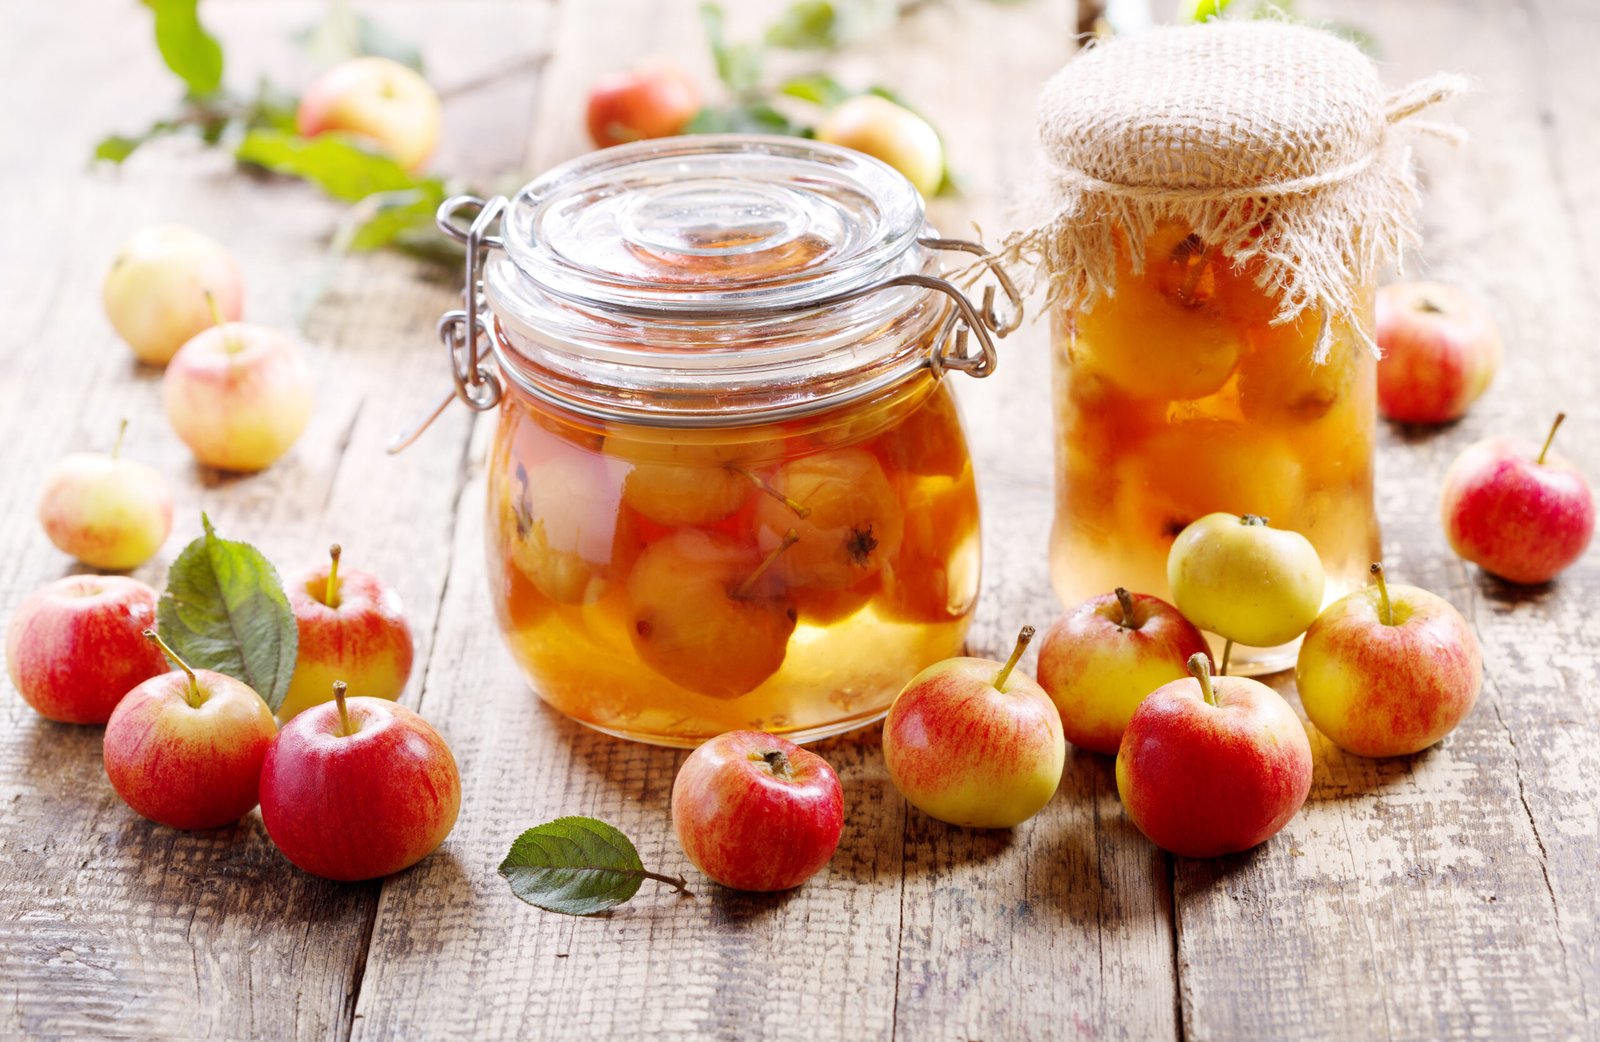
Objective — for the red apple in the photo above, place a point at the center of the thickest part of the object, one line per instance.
(1213, 766)
(358, 789)
(756, 812)
(1100, 660)
(352, 628)
(238, 395)
(156, 291)
(971, 742)
(185, 748)
(106, 511)
(657, 99)
(1440, 350)
(378, 100)
(76, 646)
(1516, 514)
(1388, 670)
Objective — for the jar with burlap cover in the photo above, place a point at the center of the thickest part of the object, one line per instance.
(1270, 140)
(1218, 203)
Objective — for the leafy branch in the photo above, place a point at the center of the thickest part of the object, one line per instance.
(259, 129)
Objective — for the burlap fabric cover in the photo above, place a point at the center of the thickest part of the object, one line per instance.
(1270, 140)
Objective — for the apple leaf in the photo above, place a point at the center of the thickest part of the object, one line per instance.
(577, 866)
(808, 25)
(334, 163)
(191, 52)
(224, 609)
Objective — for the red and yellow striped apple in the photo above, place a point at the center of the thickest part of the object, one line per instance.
(379, 101)
(106, 511)
(1388, 670)
(352, 628)
(185, 748)
(238, 395)
(756, 812)
(972, 742)
(1212, 766)
(1100, 660)
(75, 647)
(359, 788)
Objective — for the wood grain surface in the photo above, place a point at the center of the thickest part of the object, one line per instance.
(1447, 895)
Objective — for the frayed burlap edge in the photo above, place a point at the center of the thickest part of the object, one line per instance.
(1318, 239)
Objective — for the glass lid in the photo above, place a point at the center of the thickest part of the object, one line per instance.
(712, 223)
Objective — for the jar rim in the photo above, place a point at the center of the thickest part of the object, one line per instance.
(711, 223)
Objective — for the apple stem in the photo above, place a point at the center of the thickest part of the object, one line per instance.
(790, 538)
(1227, 653)
(1016, 654)
(1125, 602)
(679, 884)
(1253, 519)
(801, 511)
(777, 761)
(339, 688)
(1560, 417)
(330, 595)
(1427, 305)
(222, 323)
(1385, 605)
(1200, 669)
(116, 446)
(194, 697)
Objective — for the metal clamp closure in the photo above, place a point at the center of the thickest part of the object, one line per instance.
(465, 330)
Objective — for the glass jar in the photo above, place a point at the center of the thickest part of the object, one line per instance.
(1176, 397)
(729, 486)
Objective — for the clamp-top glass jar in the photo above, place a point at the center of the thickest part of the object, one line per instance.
(729, 486)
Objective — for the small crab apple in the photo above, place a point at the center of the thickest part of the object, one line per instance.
(75, 646)
(972, 742)
(106, 511)
(185, 748)
(1441, 349)
(376, 99)
(1213, 766)
(756, 812)
(1388, 670)
(155, 293)
(559, 516)
(358, 788)
(657, 99)
(1162, 335)
(1521, 516)
(706, 615)
(682, 483)
(844, 511)
(1244, 580)
(891, 133)
(352, 628)
(239, 395)
(1099, 661)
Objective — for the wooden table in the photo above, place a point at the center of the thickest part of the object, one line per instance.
(1446, 895)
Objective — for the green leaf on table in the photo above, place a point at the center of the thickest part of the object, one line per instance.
(576, 866)
(738, 64)
(756, 118)
(115, 148)
(333, 162)
(224, 609)
(809, 25)
(191, 52)
(387, 218)
(1202, 10)
(818, 88)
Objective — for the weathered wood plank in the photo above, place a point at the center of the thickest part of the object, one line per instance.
(109, 924)
(916, 930)
(1427, 897)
